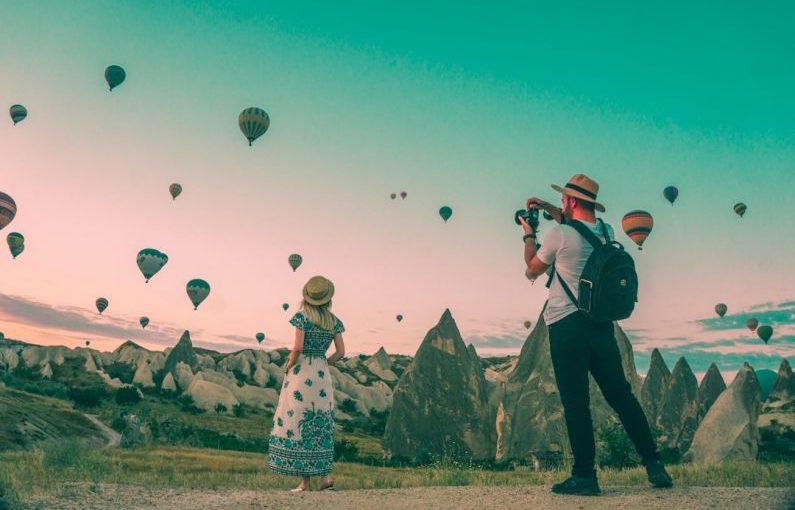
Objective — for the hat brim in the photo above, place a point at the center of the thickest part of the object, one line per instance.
(576, 194)
(322, 301)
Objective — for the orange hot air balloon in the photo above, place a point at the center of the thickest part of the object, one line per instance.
(637, 225)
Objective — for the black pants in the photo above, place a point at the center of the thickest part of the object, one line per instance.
(579, 345)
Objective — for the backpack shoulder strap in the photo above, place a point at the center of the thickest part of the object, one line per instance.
(604, 230)
(567, 290)
(586, 233)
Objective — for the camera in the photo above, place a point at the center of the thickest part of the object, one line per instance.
(529, 215)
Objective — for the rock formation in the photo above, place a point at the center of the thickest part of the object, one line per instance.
(676, 419)
(654, 385)
(530, 423)
(181, 353)
(381, 366)
(729, 430)
(783, 391)
(712, 385)
(440, 405)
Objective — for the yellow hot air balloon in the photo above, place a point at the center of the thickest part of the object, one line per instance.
(253, 123)
(637, 225)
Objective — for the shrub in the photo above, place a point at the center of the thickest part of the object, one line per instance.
(238, 411)
(345, 450)
(615, 449)
(122, 371)
(127, 395)
(348, 406)
(220, 408)
(87, 396)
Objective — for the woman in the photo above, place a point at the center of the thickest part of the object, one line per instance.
(302, 438)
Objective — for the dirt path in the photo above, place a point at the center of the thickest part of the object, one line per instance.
(114, 438)
(86, 497)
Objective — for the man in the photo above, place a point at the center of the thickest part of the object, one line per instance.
(578, 344)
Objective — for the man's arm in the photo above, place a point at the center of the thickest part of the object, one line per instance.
(535, 266)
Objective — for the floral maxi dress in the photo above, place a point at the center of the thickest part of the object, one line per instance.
(302, 439)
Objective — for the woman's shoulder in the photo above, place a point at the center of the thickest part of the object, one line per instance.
(300, 321)
(339, 327)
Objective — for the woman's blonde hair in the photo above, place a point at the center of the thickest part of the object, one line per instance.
(319, 315)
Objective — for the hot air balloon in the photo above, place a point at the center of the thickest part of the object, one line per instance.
(721, 309)
(670, 193)
(150, 261)
(18, 113)
(637, 225)
(175, 189)
(260, 337)
(740, 208)
(16, 251)
(253, 123)
(16, 243)
(764, 332)
(285, 306)
(88, 342)
(144, 321)
(101, 303)
(295, 261)
(399, 317)
(114, 75)
(403, 195)
(198, 290)
(393, 196)
(527, 324)
(445, 212)
(8, 209)
(752, 324)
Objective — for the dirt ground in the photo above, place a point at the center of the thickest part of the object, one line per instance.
(86, 496)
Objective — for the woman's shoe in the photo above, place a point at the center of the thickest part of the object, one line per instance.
(299, 489)
(328, 487)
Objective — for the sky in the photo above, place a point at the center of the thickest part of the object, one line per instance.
(478, 107)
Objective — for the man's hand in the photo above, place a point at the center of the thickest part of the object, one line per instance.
(526, 226)
(537, 203)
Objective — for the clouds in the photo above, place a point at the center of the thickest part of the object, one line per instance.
(76, 323)
(726, 341)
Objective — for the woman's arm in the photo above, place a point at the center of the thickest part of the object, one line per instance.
(298, 346)
(340, 349)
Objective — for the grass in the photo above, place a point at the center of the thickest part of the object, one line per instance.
(68, 466)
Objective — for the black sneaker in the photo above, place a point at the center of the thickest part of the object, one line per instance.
(579, 485)
(658, 476)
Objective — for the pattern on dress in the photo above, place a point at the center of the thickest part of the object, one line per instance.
(302, 440)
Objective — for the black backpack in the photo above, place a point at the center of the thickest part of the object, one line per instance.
(608, 285)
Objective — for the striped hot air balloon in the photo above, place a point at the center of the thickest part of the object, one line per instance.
(403, 195)
(175, 189)
(114, 75)
(198, 290)
(16, 243)
(8, 209)
(295, 261)
(144, 322)
(740, 209)
(260, 337)
(253, 123)
(150, 261)
(637, 225)
(721, 309)
(102, 304)
(670, 193)
(18, 113)
(285, 306)
(445, 212)
(752, 323)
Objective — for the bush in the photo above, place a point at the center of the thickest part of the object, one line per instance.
(614, 448)
(345, 450)
(121, 371)
(87, 396)
(8, 499)
(220, 408)
(348, 406)
(127, 395)
(238, 411)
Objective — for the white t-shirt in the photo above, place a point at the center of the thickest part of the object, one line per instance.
(569, 251)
